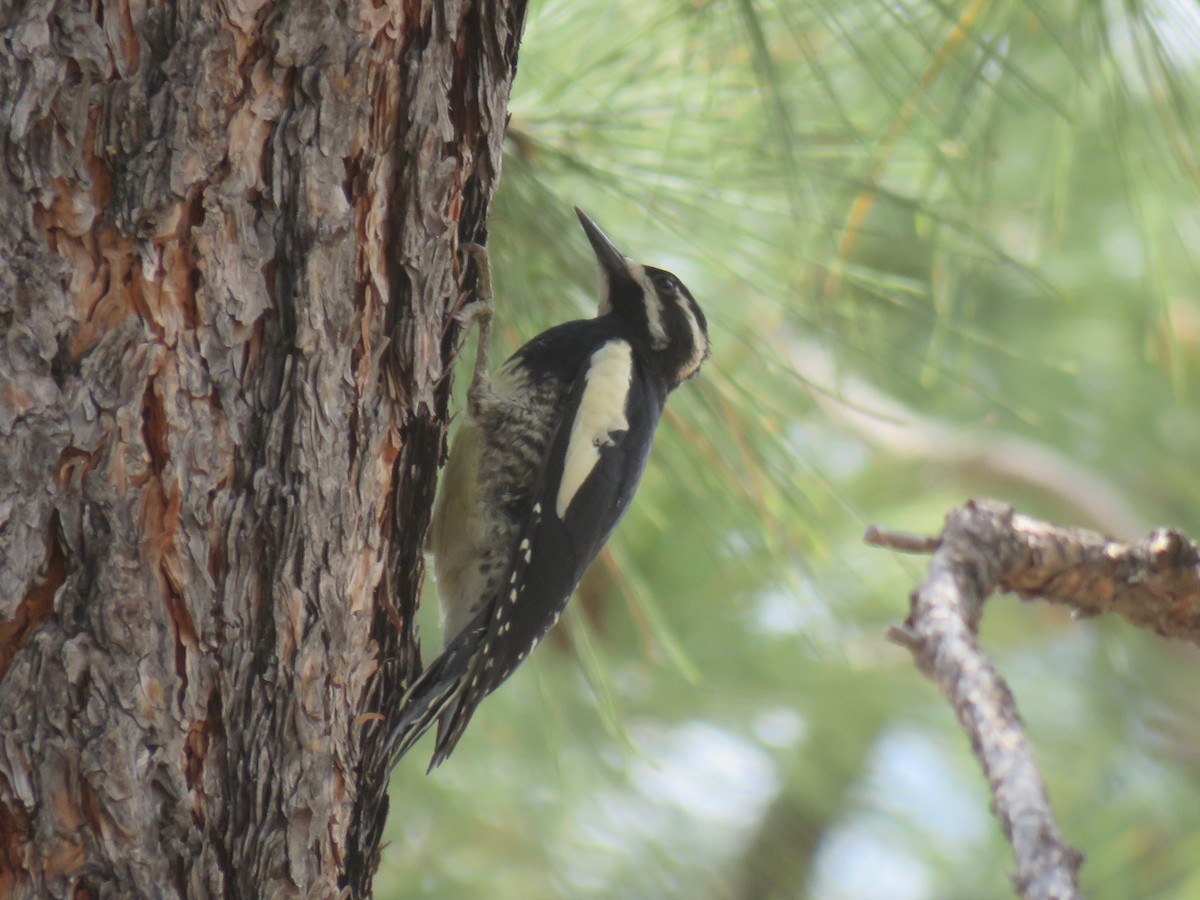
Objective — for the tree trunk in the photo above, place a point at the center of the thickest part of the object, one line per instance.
(227, 259)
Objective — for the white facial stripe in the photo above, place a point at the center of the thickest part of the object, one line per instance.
(601, 412)
(602, 277)
(699, 340)
(654, 310)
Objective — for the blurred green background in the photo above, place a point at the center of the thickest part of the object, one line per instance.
(946, 250)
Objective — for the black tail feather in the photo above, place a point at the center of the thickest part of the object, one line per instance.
(424, 703)
(435, 696)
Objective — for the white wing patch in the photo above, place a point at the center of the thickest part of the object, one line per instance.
(601, 412)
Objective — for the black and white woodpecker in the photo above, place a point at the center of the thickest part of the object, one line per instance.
(539, 474)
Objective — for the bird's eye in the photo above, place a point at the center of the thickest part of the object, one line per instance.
(665, 284)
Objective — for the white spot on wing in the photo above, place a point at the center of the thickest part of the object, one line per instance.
(601, 412)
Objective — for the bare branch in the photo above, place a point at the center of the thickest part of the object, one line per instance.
(980, 549)
(900, 540)
(985, 547)
(1154, 583)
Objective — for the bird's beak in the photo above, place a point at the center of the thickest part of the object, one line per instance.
(610, 258)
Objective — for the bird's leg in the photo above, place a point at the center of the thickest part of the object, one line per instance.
(480, 395)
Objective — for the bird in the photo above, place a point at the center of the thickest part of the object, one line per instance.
(539, 473)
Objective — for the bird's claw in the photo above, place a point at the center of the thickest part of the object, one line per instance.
(477, 311)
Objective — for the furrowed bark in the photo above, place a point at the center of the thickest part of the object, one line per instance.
(227, 263)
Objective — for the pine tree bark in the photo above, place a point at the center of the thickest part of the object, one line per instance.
(227, 267)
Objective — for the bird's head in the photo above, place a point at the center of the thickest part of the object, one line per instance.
(653, 305)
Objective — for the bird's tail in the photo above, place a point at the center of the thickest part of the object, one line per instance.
(436, 694)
